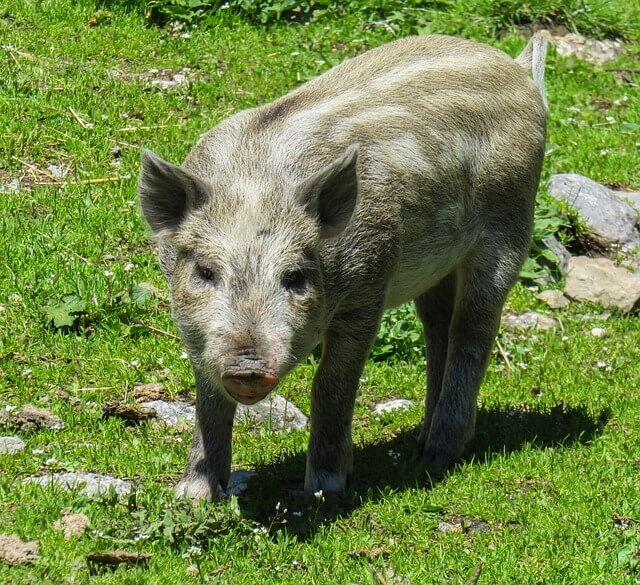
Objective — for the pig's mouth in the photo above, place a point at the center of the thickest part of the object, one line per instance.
(249, 387)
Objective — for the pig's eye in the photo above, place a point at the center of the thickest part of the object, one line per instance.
(295, 281)
(206, 274)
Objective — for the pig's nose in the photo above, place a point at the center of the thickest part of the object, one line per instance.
(250, 387)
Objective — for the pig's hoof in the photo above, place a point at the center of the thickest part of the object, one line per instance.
(438, 460)
(324, 485)
(197, 488)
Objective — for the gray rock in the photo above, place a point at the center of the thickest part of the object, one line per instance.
(275, 411)
(595, 51)
(553, 298)
(88, 483)
(529, 320)
(611, 220)
(12, 186)
(600, 280)
(238, 481)
(397, 404)
(632, 197)
(172, 412)
(11, 445)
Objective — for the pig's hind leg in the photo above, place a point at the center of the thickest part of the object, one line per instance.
(483, 281)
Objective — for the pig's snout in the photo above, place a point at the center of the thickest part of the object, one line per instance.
(249, 387)
(249, 378)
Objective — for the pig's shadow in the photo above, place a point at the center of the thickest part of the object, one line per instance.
(391, 465)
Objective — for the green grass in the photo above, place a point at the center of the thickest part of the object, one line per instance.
(559, 426)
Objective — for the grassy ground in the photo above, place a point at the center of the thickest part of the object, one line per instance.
(552, 495)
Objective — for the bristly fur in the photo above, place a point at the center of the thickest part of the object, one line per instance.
(406, 173)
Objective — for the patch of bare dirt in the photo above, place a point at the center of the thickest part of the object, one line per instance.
(31, 418)
(15, 551)
(72, 524)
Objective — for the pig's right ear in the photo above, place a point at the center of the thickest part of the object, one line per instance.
(332, 193)
(167, 193)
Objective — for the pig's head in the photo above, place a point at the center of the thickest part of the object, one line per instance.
(241, 257)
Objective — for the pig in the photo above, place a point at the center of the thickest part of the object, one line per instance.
(406, 173)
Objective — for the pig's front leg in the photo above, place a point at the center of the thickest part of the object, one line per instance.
(345, 350)
(209, 462)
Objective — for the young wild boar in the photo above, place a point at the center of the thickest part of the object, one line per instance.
(408, 172)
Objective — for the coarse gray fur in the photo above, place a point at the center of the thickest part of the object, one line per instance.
(406, 173)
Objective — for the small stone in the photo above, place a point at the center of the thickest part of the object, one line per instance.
(600, 280)
(238, 481)
(465, 524)
(553, 298)
(172, 412)
(90, 484)
(529, 320)
(56, 171)
(11, 445)
(397, 404)
(275, 411)
(598, 332)
(12, 186)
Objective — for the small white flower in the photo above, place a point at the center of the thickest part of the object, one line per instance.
(159, 361)
(277, 506)
(26, 373)
(604, 152)
(129, 266)
(104, 117)
(573, 109)
(610, 119)
(602, 364)
(565, 338)
(295, 53)
(2, 307)
(108, 273)
(37, 451)
(317, 495)
(51, 461)
(134, 362)
(184, 355)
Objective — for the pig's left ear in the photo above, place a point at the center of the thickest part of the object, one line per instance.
(331, 194)
(167, 193)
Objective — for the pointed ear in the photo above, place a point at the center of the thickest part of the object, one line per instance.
(331, 194)
(167, 192)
